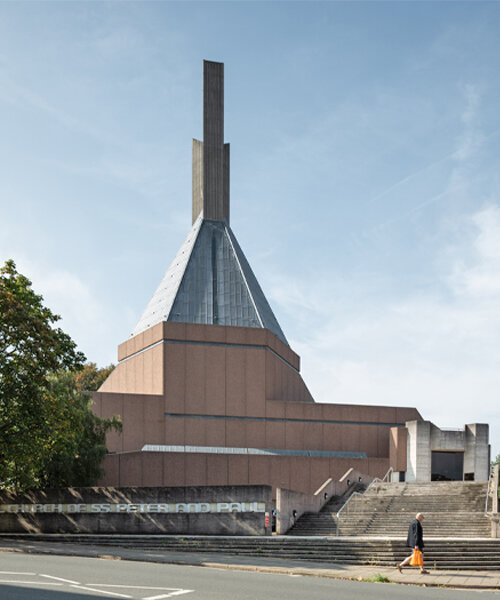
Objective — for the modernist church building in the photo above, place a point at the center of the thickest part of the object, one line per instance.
(210, 392)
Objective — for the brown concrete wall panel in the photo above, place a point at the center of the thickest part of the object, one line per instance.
(236, 434)
(383, 442)
(294, 410)
(378, 467)
(256, 336)
(195, 432)
(237, 335)
(174, 428)
(215, 432)
(354, 443)
(122, 350)
(154, 421)
(275, 409)
(196, 332)
(174, 470)
(294, 436)
(113, 382)
(235, 381)
(313, 436)
(112, 405)
(369, 435)
(129, 376)
(217, 469)
(175, 378)
(152, 469)
(332, 437)
(174, 331)
(404, 414)
(149, 379)
(259, 468)
(338, 466)
(312, 411)
(111, 468)
(195, 379)
(300, 473)
(133, 423)
(280, 379)
(237, 470)
(350, 438)
(196, 469)
(275, 435)
(215, 333)
(215, 380)
(271, 378)
(158, 354)
(256, 434)
(397, 448)
(131, 469)
(137, 364)
(148, 337)
(255, 382)
(319, 473)
(280, 471)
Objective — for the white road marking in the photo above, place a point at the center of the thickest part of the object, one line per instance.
(15, 573)
(20, 582)
(171, 595)
(82, 587)
(137, 587)
(60, 579)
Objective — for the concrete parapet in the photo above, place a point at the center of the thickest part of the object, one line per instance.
(196, 510)
(290, 505)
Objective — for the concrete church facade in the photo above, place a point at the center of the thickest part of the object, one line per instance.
(208, 388)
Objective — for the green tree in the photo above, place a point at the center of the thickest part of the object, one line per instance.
(81, 448)
(32, 419)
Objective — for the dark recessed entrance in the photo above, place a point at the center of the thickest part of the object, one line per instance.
(447, 466)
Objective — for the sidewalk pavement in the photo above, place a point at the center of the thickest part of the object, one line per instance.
(477, 580)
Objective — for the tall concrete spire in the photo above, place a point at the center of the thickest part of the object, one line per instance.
(210, 281)
(211, 157)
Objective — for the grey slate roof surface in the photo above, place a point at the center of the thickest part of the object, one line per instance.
(210, 282)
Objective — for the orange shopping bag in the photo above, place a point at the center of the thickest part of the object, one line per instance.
(416, 559)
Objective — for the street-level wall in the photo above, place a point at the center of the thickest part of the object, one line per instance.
(200, 510)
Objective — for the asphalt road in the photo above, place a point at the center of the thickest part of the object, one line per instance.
(45, 577)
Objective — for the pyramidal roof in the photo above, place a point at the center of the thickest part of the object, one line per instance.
(210, 280)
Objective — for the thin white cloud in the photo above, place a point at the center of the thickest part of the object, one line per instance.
(85, 315)
(438, 350)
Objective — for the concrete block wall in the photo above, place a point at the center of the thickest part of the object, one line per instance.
(197, 510)
(424, 438)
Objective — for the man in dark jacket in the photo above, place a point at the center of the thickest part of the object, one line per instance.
(415, 541)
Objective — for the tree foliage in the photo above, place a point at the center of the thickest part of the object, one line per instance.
(44, 409)
(79, 452)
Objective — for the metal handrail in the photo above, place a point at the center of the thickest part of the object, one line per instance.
(373, 481)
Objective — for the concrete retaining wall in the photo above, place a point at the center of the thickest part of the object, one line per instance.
(290, 505)
(204, 510)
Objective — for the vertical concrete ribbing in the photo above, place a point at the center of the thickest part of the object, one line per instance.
(213, 140)
(197, 178)
(226, 195)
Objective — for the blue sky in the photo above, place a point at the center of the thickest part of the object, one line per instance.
(365, 172)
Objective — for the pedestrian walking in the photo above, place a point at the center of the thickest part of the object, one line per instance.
(415, 541)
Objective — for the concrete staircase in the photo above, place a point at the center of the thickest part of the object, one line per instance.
(439, 554)
(451, 509)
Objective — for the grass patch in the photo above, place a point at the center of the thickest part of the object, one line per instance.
(379, 578)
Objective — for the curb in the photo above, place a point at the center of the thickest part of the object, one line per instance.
(280, 570)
